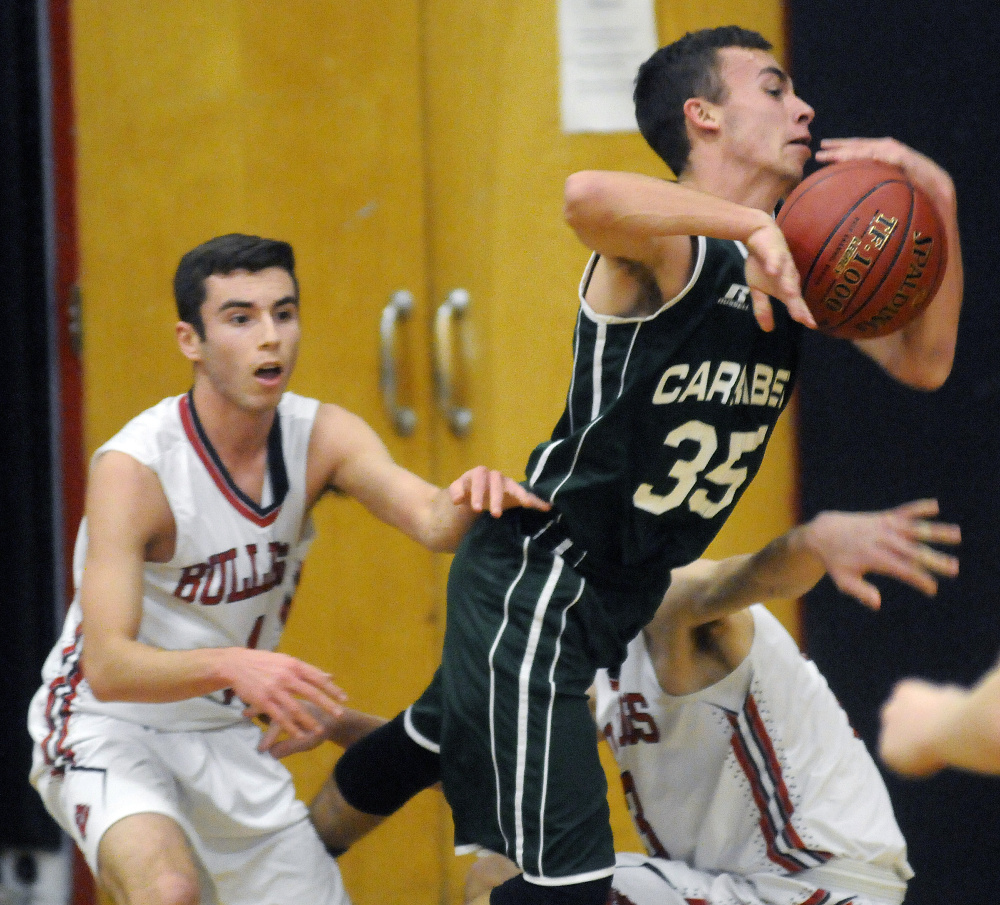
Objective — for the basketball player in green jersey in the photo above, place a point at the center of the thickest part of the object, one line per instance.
(682, 365)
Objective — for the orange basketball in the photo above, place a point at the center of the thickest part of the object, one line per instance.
(869, 246)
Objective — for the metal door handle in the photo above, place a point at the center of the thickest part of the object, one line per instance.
(404, 419)
(454, 306)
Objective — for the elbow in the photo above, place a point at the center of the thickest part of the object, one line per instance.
(912, 361)
(933, 381)
(582, 194)
(103, 680)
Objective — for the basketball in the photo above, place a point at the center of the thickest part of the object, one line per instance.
(869, 246)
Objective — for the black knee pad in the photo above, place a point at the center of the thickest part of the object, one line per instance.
(385, 769)
(519, 891)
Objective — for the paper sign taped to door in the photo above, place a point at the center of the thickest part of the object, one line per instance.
(601, 45)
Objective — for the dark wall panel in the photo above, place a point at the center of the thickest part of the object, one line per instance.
(26, 529)
(928, 74)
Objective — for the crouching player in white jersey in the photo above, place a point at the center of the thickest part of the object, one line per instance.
(197, 521)
(741, 773)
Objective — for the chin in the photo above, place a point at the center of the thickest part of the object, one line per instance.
(263, 401)
(791, 179)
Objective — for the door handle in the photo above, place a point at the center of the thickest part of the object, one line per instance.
(453, 308)
(403, 418)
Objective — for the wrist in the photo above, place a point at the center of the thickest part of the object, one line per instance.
(758, 220)
(218, 666)
(808, 539)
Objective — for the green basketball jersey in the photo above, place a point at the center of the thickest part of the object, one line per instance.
(666, 423)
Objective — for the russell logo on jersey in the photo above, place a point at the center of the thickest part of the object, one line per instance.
(737, 297)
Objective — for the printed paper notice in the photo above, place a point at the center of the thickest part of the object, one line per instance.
(601, 46)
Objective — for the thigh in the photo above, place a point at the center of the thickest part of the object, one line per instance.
(641, 880)
(228, 788)
(250, 832)
(519, 751)
(114, 774)
(423, 717)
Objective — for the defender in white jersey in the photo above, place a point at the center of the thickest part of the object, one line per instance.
(197, 521)
(754, 788)
(741, 773)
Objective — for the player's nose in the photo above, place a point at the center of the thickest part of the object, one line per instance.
(805, 113)
(268, 331)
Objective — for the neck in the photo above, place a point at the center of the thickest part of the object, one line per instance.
(734, 183)
(235, 433)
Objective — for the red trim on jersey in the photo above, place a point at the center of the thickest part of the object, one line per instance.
(767, 828)
(773, 768)
(772, 829)
(221, 479)
(821, 895)
(58, 706)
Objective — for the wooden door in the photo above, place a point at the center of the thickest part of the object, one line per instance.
(301, 121)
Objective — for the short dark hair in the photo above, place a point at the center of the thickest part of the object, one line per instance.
(689, 67)
(224, 255)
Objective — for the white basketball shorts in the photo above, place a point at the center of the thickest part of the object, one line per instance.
(236, 806)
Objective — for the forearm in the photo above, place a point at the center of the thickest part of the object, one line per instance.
(931, 338)
(921, 355)
(787, 567)
(616, 213)
(123, 669)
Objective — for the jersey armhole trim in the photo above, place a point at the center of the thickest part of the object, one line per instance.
(700, 252)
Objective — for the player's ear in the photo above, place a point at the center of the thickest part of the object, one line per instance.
(188, 340)
(701, 114)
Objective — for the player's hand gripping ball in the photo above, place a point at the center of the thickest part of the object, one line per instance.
(868, 244)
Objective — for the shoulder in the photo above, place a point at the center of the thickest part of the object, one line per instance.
(337, 429)
(338, 438)
(126, 495)
(149, 435)
(709, 268)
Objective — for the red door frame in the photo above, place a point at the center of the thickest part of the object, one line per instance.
(68, 366)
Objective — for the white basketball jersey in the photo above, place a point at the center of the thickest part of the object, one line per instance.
(759, 773)
(230, 581)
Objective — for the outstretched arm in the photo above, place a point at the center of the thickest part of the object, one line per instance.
(846, 545)
(347, 455)
(637, 220)
(921, 354)
(926, 727)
